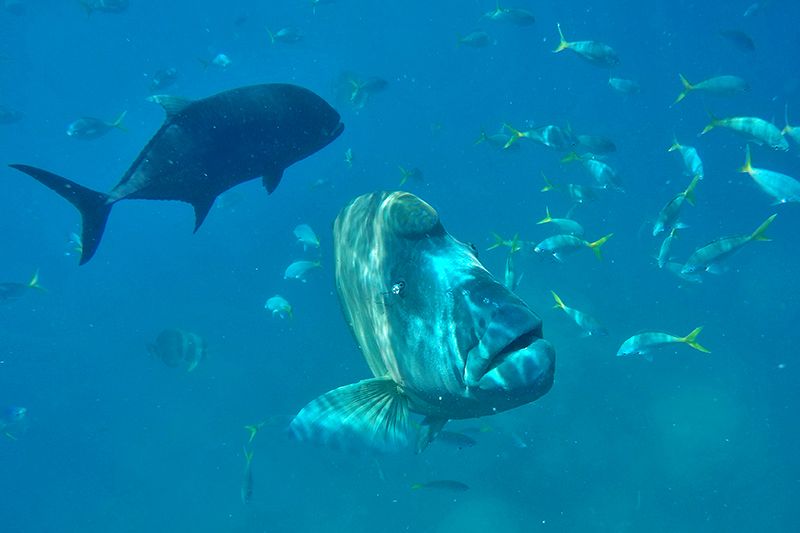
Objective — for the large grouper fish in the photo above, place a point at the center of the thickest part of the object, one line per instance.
(442, 337)
(206, 147)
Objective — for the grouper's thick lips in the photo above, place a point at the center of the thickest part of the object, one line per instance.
(524, 371)
(517, 344)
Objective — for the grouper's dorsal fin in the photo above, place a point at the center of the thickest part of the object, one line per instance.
(172, 104)
(371, 415)
(201, 208)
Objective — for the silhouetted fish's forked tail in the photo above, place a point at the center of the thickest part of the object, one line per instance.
(94, 206)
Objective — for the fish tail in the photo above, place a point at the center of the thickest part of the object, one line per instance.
(252, 430)
(595, 246)
(34, 282)
(747, 168)
(689, 192)
(271, 36)
(787, 128)
(563, 44)
(548, 185)
(481, 138)
(547, 217)
(758, 234)
(417, 486)
(687, 87)
(690, 340)
(711, 125)
(118, 122)
(498, 241)
(94, 206)
(248, 456)
(405, 174)
(675, 144)
(515, 135)
(572, 156)
(559, 303)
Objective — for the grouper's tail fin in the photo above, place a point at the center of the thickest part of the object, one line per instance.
(94, 206)
(368, 416)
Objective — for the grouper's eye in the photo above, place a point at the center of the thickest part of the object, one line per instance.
(473, 248)
(398, 287)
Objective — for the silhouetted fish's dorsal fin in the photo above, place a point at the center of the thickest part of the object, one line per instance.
(271, 179)
(201, 208)
(172, 104)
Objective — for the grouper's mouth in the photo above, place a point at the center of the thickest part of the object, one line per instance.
(516, 345)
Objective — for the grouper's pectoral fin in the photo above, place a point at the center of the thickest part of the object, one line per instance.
(370, 415)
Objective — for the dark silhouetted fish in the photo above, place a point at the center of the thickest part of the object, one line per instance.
(442, 337)
(207, 146)
(12, 290)
(175, 346)
(739, 39)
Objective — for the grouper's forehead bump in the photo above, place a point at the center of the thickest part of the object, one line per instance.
(408, 216)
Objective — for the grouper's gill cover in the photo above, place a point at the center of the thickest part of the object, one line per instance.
(442, 337)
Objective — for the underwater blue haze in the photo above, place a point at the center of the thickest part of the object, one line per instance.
(114, 440)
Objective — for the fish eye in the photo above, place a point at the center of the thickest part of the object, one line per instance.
(473, 248)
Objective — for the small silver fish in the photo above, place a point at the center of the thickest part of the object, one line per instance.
(643, 343)
(90, 128)
(596, 53)
(754, 128)
(285, 35)
(718, 85)
(564, 225)
(691, 159)
(668, 216)
(306, 236)
(279, 307)
(590, 325)
(710, 257)
(300, 269)
(475, 39)
(560, 245)
(780, 187)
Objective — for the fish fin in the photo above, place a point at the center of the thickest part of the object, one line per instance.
(572, 156)
(94, 206)
(548, 186)
(547, 217)
(559, 303)
(687, 87)
(118, 121)
(430, 429)
(690, 340)
(201, 208)
(34, 282)
(371, 414)
(271, 180)
(172, 104)
(711, 125)
(689, 192)
(675, 144)
(271, 36)
(758, 234)
(595, 246)
(563, 44)
(248, 456)
(747, 167)
(716, 268)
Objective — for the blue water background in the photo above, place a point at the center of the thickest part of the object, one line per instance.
(119, 442)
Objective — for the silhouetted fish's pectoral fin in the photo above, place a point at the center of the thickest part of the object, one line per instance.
(201, 208)
(371, 415)
(272, 179)
(428, 431)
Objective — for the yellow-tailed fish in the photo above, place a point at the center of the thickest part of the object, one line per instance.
(691, 159)
(792, 131)
(604, 175)
(448, 485)
(513, 243)
(677, 268)
(518, 17)
(299, 269)
(560, 245)
(279, 306)
(710, 257)
(475, 39)
(564, 225)
(247, 479)
(498, 140)
(643, 343)
(11, 290)
(511, 279)
(594, 52)
(666, 245)
(252, 430)
(406, 174)
(780, 187)
(718, 85)
(285, 35)
(668, 216)
(306, 236)
(757, 129)
(590, 325)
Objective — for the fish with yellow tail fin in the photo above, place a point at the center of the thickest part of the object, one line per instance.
(514, 244)
(779, 187)
(252, 430)
(711, 257)
(90, 128)
(511, 278)
(643, 343)
(516, 16)
(246, 491)
(792, 131)
(442, 337)
(691, 159)
(596, 53)
(591, 326)
(564, 225)
(12, 290)
(756, 129)
(604, 175)
(560, 245)
(668, 216)
(718, 86)
(406, 174)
